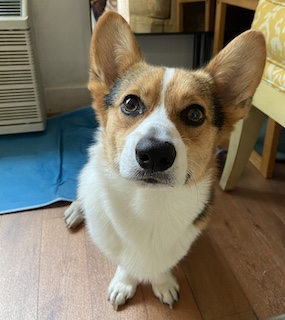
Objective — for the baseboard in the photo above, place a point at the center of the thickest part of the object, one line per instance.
(62, 99)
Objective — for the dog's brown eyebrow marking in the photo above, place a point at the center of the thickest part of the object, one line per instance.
(126, 79)
(217, 110)
(110, 98)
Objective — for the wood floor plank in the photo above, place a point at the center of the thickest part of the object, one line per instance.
(217, 292)
(64, 291)
(185, 308)
(262, 214)
(268, 192)
(55, 210)
(241, 316)
(236, 271)
(101, 272)
(261, 222)
(250, 248)
(20, 239)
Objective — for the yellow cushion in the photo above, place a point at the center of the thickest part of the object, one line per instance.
(270, 19)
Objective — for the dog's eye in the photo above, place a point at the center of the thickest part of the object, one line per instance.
(132, 106)
(193, 115)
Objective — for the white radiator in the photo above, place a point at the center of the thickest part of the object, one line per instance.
(21, 102)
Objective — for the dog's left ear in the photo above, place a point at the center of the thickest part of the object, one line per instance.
(113, 49)
(237, 71)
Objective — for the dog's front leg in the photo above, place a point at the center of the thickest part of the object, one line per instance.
(122, 288)
(73, 215)
(166, 289)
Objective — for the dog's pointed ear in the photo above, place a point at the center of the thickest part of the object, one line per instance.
(113, 48)
(237, 71)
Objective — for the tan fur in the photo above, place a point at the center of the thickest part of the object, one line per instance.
(118, 49)
(202, 222)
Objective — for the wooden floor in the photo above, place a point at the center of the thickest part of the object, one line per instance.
(235, 271)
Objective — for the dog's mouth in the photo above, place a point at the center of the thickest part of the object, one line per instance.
(151, 181)
(154, 179)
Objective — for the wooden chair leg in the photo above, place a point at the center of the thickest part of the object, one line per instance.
(179, 14)
(270, 148)
(242, 142)
(209, 15)
(220, 21)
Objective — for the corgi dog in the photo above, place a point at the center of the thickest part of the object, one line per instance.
(146, 192)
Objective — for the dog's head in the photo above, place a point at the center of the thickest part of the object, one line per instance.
(162, 125)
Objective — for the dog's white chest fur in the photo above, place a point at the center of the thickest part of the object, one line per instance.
(144, 229)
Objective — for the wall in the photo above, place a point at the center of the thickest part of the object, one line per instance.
(62, 35)
(173, 50)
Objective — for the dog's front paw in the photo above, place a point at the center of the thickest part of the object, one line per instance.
(122, 288)
(73, 215)
(166, 289)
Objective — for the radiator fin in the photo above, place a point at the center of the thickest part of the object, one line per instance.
(13, 38)
(10, 8)
(20, 101)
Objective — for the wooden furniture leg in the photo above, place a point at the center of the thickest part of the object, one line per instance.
(220, 19)
(270, 148)
(242, 142)
(179, 14)
(265, 101)
(209, 15)
(265, 163)
(219, 30)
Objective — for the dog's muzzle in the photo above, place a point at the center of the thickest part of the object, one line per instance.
(154, 155)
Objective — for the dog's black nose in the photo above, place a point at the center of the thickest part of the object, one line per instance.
(155, 155)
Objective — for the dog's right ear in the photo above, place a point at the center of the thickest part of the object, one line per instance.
(237, 71)
(113, 49)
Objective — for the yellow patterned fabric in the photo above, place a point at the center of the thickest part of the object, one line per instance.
(270, 19)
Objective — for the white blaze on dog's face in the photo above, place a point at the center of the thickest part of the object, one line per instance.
(154, 151)
(157, 130)
(161, 125)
